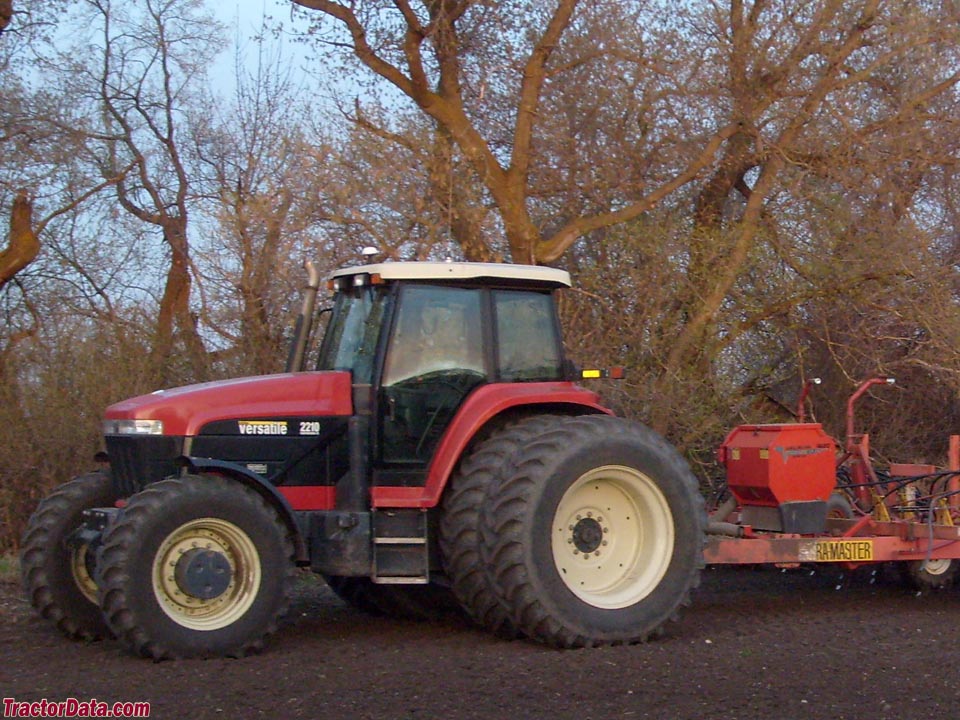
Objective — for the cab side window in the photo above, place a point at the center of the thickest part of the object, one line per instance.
(527, 336)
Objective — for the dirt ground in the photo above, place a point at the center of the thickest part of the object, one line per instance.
(755, 643)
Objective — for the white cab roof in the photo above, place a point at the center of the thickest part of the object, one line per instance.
(461, 271)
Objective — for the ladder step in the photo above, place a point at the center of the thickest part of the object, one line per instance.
(401, 580)
(401, 552)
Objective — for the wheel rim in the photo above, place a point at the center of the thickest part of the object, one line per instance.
(936, 567)
(612, 537)
(80, 571)
(236, 554)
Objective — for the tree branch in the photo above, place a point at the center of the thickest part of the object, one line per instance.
(550, 250)
(22, 243)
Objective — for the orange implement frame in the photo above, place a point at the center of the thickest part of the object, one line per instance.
(856, 541)
(852, 542)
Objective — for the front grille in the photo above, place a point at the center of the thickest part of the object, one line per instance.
(138, 460)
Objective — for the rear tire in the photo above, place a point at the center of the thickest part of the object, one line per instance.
(465, 500)
(58, 580)
(597, 537)
(196, 566)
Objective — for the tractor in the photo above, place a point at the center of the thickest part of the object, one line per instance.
(435, 446)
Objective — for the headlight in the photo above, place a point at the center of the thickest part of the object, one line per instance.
(133, 427)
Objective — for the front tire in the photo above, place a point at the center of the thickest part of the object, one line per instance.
(197, 566)
(597, 537)
(57, 578)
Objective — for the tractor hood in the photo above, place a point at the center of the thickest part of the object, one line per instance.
(185, 410)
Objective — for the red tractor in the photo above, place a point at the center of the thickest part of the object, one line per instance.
(438, 443)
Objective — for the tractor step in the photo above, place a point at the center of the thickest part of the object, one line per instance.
(401, 552)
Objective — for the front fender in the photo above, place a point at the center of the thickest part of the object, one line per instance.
(270, 494)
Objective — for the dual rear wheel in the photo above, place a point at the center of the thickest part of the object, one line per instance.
(587, 531)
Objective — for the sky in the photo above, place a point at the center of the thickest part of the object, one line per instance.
(244, 20)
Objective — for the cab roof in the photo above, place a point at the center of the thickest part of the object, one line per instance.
(453, 271)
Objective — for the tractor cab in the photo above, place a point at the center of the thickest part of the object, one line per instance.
(418, 338)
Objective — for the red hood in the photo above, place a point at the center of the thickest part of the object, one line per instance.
(185, 410)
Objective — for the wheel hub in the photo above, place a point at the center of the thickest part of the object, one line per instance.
(203, 573)
(587, 535)
(206, 574)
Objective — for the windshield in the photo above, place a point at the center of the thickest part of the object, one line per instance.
(350, 342)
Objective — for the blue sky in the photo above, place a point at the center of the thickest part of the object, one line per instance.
(243, 21)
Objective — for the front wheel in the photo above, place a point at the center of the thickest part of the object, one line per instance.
(57, 575)
(597, 536)
(196, 566)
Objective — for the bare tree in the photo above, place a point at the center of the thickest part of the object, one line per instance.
(263, 181)
(146, 73)
(431, 53)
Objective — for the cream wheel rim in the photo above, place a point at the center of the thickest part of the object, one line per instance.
(230, 544)
(81, 573)
(612, 537)
(936, 567)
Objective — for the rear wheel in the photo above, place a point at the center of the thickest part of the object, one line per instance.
(597, 537)
(58, 577)
(195, 566)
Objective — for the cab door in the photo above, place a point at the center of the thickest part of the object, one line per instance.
(435, 357)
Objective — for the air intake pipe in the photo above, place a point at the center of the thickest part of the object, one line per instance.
(301, 331)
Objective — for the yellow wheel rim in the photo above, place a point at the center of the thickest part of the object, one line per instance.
(239, 551)
(81, 575)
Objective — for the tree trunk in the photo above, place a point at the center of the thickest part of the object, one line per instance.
(6, 14)
(174, 319)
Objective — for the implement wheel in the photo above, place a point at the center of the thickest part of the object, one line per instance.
(930, 574)
(58, 578)
(597, 537)
(196, 566)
